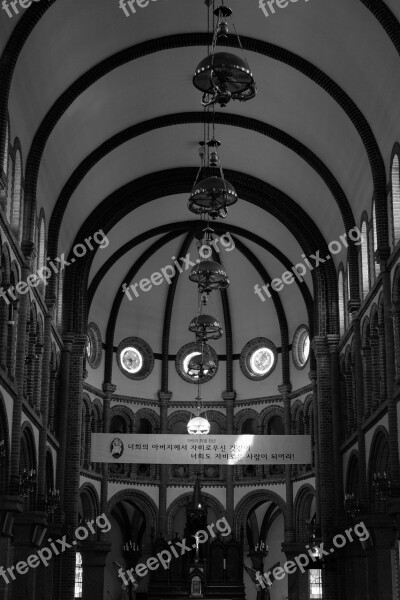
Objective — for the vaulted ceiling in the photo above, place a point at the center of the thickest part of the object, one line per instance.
(109, 124)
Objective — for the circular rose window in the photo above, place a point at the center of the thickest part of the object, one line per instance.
(135, 358)
(258, 359)
(301, 347)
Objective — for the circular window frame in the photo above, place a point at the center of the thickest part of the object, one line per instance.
(94, 335)
(249, 349)
(147, 356)
(183, 353)
(296, 350)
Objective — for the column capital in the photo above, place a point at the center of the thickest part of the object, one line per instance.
(79, 343)
(320, 345)
(68, 339)
(333, 341)
(353, 305)
(164, 397)
(228, 396)
(312, 376)
(109, 388)
(285, 389)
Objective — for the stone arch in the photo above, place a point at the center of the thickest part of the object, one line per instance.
(243, 415)
(5, 443)
(268, 413)
(182, 501)
(178, 415)
(125, 413)
(379, 461)
(396, 284)
(302, 511)
(352, 473)
(89, 500)
(250, 501)
(145, 504)
(217, 417)
(150, 415)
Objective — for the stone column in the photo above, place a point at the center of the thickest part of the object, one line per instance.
(359, 377)
(285, 390)
(19, 380)
(313, 378)
(379, 556)
(327, 481)
(390, 373)
(396, 328)
(164, 399)
(4, 312)
(72, 463)
(229, 398)
(108, 390)
(94, 555)
(10, 506)
(63, 415)
(29, 530)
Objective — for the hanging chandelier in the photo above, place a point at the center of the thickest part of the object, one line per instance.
(201, 366)
(211, 196)
(223, 76)
(205, 328)
(198, 425)
(209, 275)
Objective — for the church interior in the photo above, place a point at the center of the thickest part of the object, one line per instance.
(185, 253)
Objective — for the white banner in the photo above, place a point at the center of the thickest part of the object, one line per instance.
(201, 449)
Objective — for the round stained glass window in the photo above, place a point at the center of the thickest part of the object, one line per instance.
(301, 347)
(258, 358)
(131, 360)
(261, 361)
(135, 358)
(191, 368)
(93, 346)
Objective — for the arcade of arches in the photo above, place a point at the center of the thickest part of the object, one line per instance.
(99, 137)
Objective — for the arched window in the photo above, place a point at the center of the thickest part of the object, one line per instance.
(60, 300)
(315, 581)
(16, 194)
(5, 157)
(341, 303)
(78, 575)
(377, 267)
(364, 260)
(41, 244)
(396, 198)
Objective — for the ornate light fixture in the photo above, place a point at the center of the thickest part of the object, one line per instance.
(27, 483)
(52, 501)
(201, 365)
(223, 76)
(198, 425)
(381, 484)
(205, 328)
(209, 275)
(352, 505)
(211, 196)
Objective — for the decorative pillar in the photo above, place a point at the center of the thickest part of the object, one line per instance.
(313, 378)
(327, 481)
(28, 531)
(108, 390)
(390, 370)
(285, 390)
(164, 399)
(72, 463)
(63, 415)
(229, 398)
(10, 506)
(359, 377)
(19, 380)
(94, 555)
(4, 312)
(374, 341)
(396, 329)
